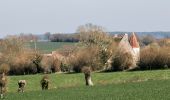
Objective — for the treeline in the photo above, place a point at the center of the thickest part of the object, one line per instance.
(74, 37)
(64, 37)
(155, 34)
(96, 49)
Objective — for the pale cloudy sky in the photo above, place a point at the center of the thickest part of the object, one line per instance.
(40, 16)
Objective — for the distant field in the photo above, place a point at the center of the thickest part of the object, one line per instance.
(47, 47)
(140, 85)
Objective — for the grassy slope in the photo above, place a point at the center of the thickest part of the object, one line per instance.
(119, 85)
(47, 47)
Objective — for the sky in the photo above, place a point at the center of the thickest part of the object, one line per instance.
(40, 16)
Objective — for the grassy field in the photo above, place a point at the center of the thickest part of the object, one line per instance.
(142, 85)
(47, 47)
(150, 90)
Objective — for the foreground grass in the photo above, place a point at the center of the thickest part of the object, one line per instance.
(74, 80)
(149, 90)
(140, 85)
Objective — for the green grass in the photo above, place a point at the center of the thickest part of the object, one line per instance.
(141, 85)
(150, 90)
(47, 47)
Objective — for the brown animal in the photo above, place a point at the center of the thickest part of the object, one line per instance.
(21, 85)
(3, 83)
(45, 82)
(87, 74)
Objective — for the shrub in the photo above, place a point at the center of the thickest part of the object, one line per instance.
(4, 68)
(164, 42)
(63, 56)
(47, 63)
(147, 39)
(86, 57)
(154, 57)
(36, 61)
(65, 67)
(56, 67)
(86, 70)
(122, 61)
(23, 63)
(21, 60)
(96, 47)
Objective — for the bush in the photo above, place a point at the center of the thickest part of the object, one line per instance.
(164, 42)
(64, 38)
(86, 70)
(147, 39)
(65, 67)
(56, 67)
(96, 47)
(47, 63)
(86, 57)
(23, 63)
(154, 57)
(122, 61)
(21, 60)
(4, 68)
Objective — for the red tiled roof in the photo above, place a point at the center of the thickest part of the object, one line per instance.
(133, 41)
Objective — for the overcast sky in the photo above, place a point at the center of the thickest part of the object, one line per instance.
(40, 16)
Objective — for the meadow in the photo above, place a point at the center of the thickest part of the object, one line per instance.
(48, 47)
(140, 85)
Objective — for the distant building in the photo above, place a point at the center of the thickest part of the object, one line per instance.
(135, 46)
(129, 45)
(115, 35)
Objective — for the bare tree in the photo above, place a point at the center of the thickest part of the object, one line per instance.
(91, 34)
(95, 36)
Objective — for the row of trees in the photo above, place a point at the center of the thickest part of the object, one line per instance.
(94, 48)
(97, 47)
(15, 58)
(64, 38)
(75, 37)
